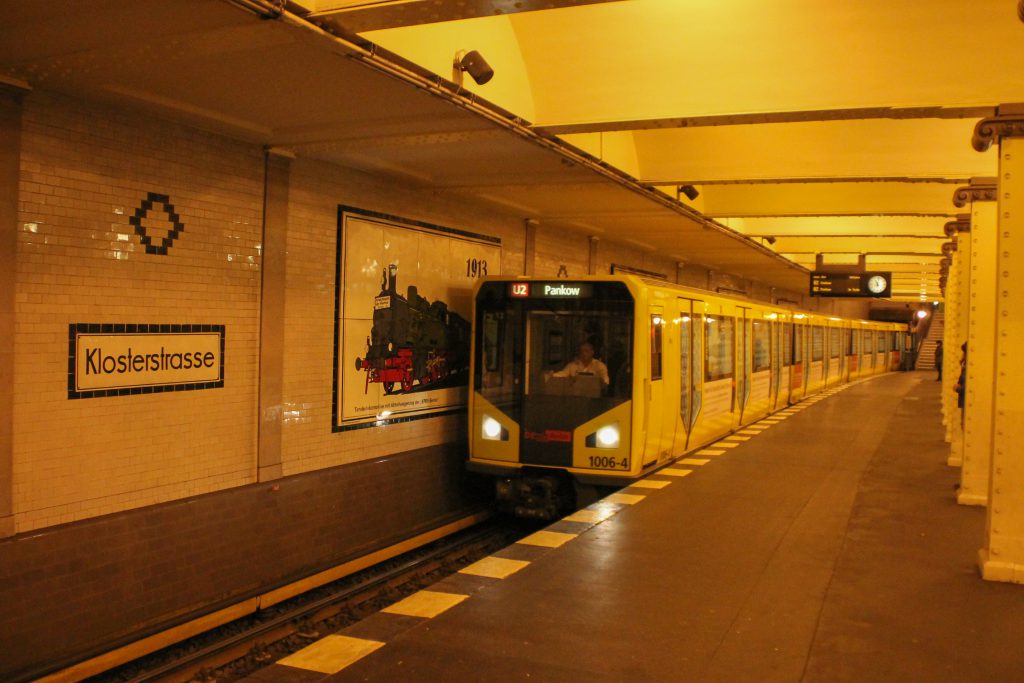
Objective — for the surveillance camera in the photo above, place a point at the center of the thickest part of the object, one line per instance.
(690, 191)
(475, 65)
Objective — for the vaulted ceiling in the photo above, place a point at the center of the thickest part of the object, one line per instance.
(831, 129)
(811, 130)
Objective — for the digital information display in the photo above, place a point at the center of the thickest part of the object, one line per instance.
(867, 284)
(550, 290)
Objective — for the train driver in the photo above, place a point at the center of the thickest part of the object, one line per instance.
(583, 364)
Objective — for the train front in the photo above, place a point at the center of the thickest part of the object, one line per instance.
(552, 382)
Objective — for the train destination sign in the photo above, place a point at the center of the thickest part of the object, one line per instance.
(114, 360)
(550, 290)
(866, 284)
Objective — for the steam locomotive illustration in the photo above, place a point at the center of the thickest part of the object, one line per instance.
(413, 342)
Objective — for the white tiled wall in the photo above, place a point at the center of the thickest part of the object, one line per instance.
(85, 169)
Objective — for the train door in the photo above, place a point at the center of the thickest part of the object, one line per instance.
(655, 386)
(847, 352)
(743, 376)
(776, 355)
(797, 370)
(691, 373)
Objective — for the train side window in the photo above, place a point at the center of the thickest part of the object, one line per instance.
(881, 342)
(834, 346)
(657, 322)
(720, 349)
(817, 343)
(762, 346)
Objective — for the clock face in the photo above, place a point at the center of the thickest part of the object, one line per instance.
(877, 284)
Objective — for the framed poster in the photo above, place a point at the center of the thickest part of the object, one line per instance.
(402, 317)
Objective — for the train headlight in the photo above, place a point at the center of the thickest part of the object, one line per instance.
(605, 437)
(492, 430)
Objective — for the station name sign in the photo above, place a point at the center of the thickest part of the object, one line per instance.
(837, 284)
(550, 290)
(121, 359)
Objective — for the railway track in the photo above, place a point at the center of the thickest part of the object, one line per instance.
(236, 650)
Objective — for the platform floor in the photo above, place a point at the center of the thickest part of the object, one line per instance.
(826, 547)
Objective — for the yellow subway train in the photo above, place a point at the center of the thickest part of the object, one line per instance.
(596, 381)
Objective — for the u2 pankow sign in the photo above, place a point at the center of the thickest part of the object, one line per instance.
(120, 359)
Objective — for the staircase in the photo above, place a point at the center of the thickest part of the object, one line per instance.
(926, 355)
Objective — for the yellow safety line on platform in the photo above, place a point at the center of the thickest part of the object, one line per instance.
(426, 604)
(710, 451)
(651, 483)
(590, 516)
(494, 567)
(675, 472)
(694, 461)
(547, 539)
(736, 437)
(726, 444)
(625, 498)
(331, 654)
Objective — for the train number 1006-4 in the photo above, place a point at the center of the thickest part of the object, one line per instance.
(608, 463)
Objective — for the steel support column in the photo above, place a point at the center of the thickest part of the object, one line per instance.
(1002, 557)
(981, 320)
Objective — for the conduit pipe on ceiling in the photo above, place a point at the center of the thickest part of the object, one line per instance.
(396, 66)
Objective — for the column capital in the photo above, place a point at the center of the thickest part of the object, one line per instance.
(1008, 122)
(961, 224)
(980, 190)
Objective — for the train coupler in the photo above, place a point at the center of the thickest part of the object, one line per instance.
(534, 496)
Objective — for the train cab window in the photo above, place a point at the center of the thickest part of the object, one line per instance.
(762, 346)
(720, 349)
(493, 321)
(657, 324)
(817, 343)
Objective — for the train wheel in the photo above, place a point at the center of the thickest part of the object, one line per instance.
(388, 387)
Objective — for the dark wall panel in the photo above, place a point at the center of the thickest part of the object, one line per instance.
(71, 591)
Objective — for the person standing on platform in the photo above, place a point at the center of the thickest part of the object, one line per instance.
(938, 359)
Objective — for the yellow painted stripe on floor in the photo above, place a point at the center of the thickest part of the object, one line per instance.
(694, 461)
(494, 567)
(547, 539)
(675, 472)
(426, 604)
(331, 654)
(624, 498)
(590, 516)
(651, 483)
(752, 431)
(710, 451)
(736, 437)
(725, 444)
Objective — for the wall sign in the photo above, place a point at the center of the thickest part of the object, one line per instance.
(404, 299)
(122, 359)
(165, 237)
